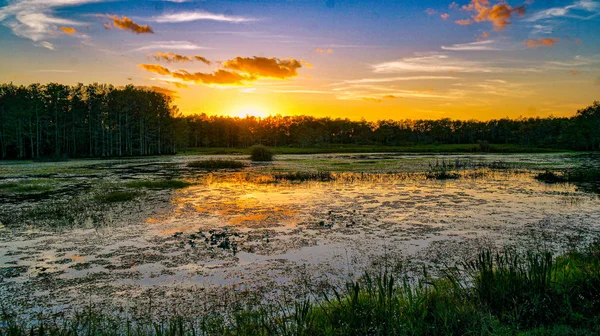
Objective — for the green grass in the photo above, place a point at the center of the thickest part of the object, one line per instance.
(162, 184)
(117, 196)
(339, 149)
(25, 187)
(505, 293)
(217, 164)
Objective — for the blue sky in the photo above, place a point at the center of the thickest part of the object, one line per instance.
(375, 59)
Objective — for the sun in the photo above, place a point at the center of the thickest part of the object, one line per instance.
(251, 111)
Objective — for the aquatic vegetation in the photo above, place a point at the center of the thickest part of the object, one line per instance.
(117, 196)
(261, 153)
(59, 213)
(25, 187)
(305, 176)
(217, 164)
(575, 175)
(502, 293)
(162, 184)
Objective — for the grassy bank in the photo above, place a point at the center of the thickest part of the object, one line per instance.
(506, 293)
(335, 149)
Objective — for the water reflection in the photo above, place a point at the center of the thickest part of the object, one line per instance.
(250, 228)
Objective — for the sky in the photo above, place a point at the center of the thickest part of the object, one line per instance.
(371, 59)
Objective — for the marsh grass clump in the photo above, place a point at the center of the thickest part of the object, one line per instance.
(217, 164)
(163, 184)
(550, 177)
(305, 176)
(119, 196)
(575, 175)
(442, 175)
(261, 153)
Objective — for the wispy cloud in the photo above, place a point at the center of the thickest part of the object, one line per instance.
(590, 8)
(171, 45)
(37, 20)
(487, 45)
(397, 79)
(324, 51)
(200, 15)
(432, 63)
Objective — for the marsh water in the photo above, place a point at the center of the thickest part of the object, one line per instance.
(235, 235)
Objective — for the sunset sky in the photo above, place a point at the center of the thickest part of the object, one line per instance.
(377, 59)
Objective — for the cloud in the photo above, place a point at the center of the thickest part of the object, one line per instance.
(445, 16)
(159, 69)
(324, 51)
(464, 22)
(541, 42)
(397, 79)
(68, 30)
(200, 15)
(238, 71)
(431, 11)
(499, 14)
(172, 45)
(591, 8)
(165, 91)
(37, 20)
(371, 99)
(46, 44)
(178, 85)
(391, 97)
(125, 23)
(433, 63)
(574, 73)
(220, 77)
(265, 67)
(473, 46)
(170, 57)
(542, 29)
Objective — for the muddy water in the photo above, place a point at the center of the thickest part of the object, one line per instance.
(242, 230)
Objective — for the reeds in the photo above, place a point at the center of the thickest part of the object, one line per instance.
(505, 293)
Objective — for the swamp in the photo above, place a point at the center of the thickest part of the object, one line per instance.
(157, 237)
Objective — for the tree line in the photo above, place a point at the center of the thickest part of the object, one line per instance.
(99, 120)
(580, 132)
(95, 120)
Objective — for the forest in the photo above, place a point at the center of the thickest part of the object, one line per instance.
(99, 120)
